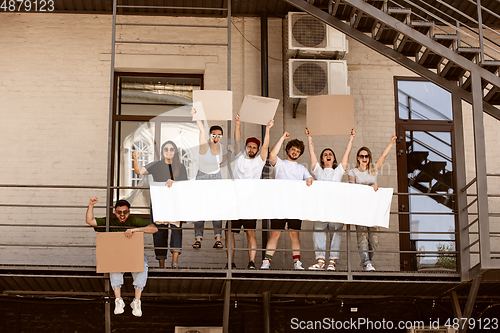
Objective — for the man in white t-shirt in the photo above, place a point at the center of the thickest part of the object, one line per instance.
(248, 165)
(287, 169)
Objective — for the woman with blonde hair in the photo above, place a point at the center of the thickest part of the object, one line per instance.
(366, 173)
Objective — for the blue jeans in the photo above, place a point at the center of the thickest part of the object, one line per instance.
(140, 278)
(160, 239)
(319, 239)
(367, 241)
(201, 224)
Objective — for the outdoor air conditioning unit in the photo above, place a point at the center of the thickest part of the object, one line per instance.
(310, 77)
(309, 36)
(181, 329)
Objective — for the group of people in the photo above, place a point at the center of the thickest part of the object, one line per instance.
(249, 163)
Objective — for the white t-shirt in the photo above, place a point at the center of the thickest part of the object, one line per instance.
(364, 178)
(285, 169)
(248, 168)
(329, 174)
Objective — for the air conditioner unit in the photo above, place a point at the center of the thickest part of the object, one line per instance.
(181, 329)
(311, 77)
(309, 36)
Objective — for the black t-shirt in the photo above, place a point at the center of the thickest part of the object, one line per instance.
(162, 171)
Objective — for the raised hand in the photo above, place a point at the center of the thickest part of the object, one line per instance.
(393, 138)
(307, 133)
(353, 133)
(93, 201)
(136, 153)
(286, 135)
(237, 119)
(270, 124)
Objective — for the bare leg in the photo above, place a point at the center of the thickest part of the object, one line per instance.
(137, 294)
(118, 293)
(161, 263)
(272, 242)
(252, 244)
(175, 257)
(233, 244)
(295, 242)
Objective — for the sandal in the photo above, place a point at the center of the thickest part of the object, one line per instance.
(331, 266)
(197, 245)
(318, 266)
(218, 245)
(174, 265)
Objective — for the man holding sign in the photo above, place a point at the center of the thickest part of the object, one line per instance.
(248, 165)
(122, 218)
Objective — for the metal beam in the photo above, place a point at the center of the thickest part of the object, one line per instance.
(227, 306)
(460, 183)
(469, 306)
(267, 311)
(455, 304)
(481, 176)
(391, 54)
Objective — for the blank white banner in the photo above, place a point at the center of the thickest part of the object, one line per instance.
(207, 200)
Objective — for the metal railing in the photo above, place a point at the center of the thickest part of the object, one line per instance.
(346, 268)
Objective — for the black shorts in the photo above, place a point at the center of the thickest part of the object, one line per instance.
(237, 224)
(280, 224)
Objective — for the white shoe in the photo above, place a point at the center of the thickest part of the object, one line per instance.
(298, 265)
(119, 306)
(331, 266)
(265, 264)
(136, 307)
(320, 265)
(369, 267)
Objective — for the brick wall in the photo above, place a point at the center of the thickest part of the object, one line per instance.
(54, 100)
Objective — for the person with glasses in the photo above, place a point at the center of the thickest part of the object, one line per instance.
(327, 170)
(123, 219)
(365, 173)
(287, 169)
(211, 158)
(168, 170)
(248, 166)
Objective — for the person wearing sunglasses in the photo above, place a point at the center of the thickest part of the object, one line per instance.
(168, 170)
(287, 169)
(327, 169)
(211, 158)
(365, 173)
(248, 165)
(123, 219)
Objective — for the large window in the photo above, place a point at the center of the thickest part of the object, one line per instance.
(151, 109)
(425, 169)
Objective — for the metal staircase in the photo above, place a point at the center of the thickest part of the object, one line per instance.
(444, 50)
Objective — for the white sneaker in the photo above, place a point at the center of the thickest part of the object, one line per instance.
(298, 265)
(369, 267)
(265, 264)
(136, 307)
(119, 306)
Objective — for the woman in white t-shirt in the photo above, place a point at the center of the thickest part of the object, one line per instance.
(328, 170)
(366, 173)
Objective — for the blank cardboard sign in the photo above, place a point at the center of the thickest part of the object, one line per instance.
(258, 110)
(330, 114)
(115, 253)
(217, 104)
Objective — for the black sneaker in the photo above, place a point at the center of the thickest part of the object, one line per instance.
(251, 265)
(233, 266)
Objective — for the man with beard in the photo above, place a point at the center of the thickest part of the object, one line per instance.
(287, 169)
(122, 218)
(248, 166)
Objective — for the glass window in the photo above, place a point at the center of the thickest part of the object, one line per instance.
(422, 100)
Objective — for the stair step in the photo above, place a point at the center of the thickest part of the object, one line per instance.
(398, 10)
(469, 52)
(430, 59)
(451, 37)
(416, 158)
(444, 200)
(452, 71)
(493, 96)
(418, 23)
(491, 65)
